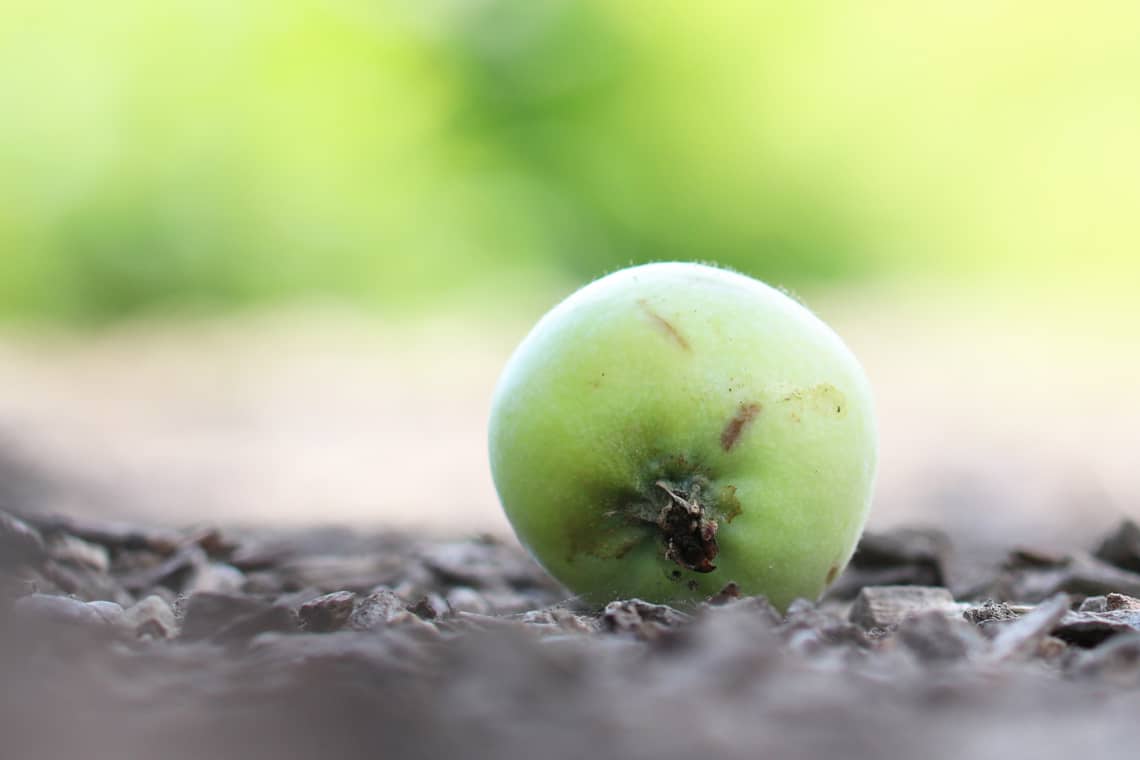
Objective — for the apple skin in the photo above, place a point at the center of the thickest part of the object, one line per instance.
(665, 376)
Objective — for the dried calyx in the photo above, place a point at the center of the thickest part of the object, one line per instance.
(689, 533)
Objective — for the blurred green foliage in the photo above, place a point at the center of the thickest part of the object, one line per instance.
(212, 154)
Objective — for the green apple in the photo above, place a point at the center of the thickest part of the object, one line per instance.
(673, 427)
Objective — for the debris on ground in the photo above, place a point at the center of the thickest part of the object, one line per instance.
(125, 641)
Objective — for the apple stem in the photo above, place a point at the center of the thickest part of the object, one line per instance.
(690, 536)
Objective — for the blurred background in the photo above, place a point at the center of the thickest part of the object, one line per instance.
(263, 261)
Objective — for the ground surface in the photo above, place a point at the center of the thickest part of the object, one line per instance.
(128, 641)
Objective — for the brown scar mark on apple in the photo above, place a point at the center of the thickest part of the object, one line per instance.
(831, 574)
(735, 427)
(664, 325)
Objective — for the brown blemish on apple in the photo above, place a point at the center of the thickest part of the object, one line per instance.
(664, 325)
(732, 431)
(831, 574)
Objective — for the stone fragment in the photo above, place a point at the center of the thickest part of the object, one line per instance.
(1020, 639)
(1114, 602)
(215, 577)
(431, 606)
(886, 606)
(79, 553)
(465, 599)
(989, 611)
(1094, 604)
(111, 612)
(60, 609)
(642, 619)
(327, 613)
(152, 617)
(380, 608)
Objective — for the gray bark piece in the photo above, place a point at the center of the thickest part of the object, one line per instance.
(1080, 575)
(1091, 628)
(112, 535)
(644, 620)
(886, 606)
(1089, 576)
(1122, 547)
(20, 543)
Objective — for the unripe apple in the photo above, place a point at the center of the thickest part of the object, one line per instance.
(673, 427)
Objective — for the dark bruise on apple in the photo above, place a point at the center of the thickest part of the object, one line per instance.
(672, 428)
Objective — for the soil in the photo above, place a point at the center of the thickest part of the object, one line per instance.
(134, 641)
